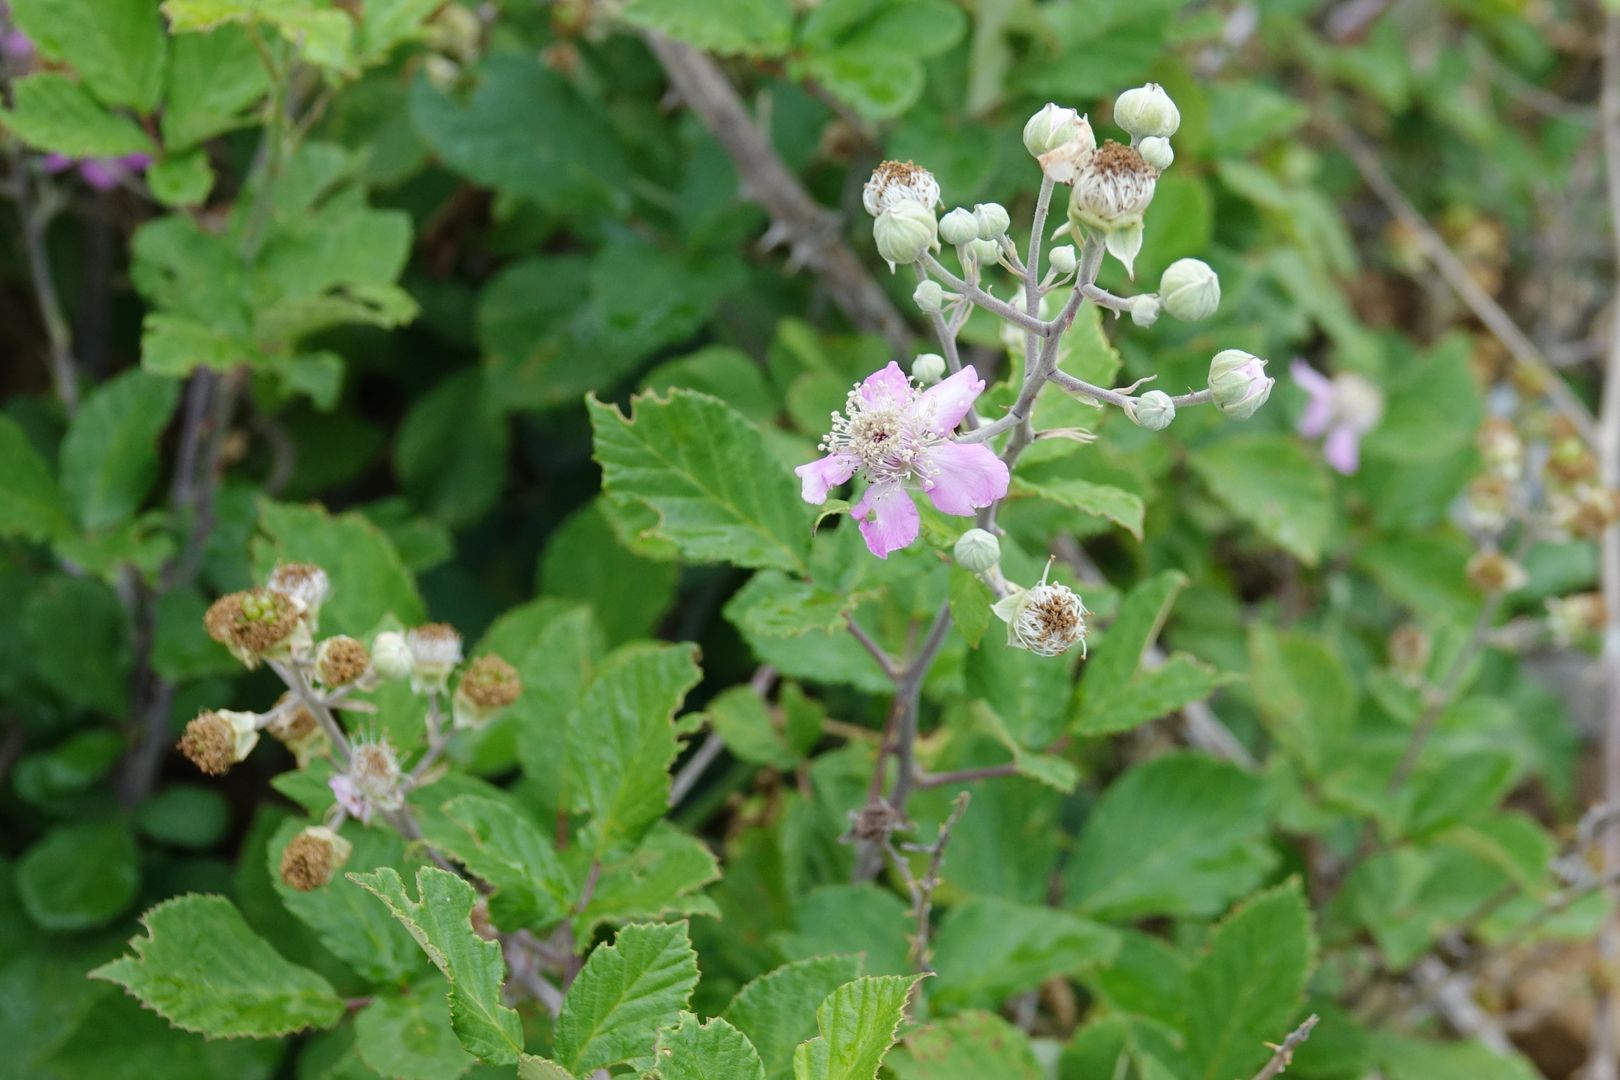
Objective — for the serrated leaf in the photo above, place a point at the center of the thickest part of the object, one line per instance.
(441, 922)
(1049, 769)
(988, 949)
(52, 112)
(537, 1068)
(322, 36)
(1274, 484)
(857, 1025)
(623, 995)
(203, 970)
(742, 718)
(970, 601)
(110, 453)
(968, 1046)
(1122, 507)
(584, 560)
(409, 1037)
(1142, 614)
(502, 845)
(704, 1051)
(621, 740)
(215, 82)
(181, 179)
(1306, 697)
(450, 451)
(116, 46)
(30, 504)
(754, 27)
(369, 579)
(660, 878)
(1255, 967)
(779, 606)
(706, 471)
(94, 672)
(1179, 835)
(1151, 693)
(771, 1010)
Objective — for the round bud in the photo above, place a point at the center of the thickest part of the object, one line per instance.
(904, 231)
(1052, 127)
(977, 550)
(217, 739)
(1156, 152)
(1063, 259)
(1145, 310)
(959, 227)
(1153, 410)
(340, 660)
(993, 219)
(984, 252)
(390, 655)
(929, 296)
(1190, 290)
(1147, 111)
(928, 368)
(435, 651)
(310, 858)
(1239, 383)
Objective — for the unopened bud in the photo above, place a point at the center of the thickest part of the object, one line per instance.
(1239, 383)
(1573, 619)
(1501, 448)
(1156, 151)
(993, 219)
(391, 655)
(340, 660)
(977, 550)
(984, 252)
(1190, 290)
(1063, 259)
(959, 227)
(903, 232)
(435, 651)
(488, 685)
(1153, 410)
(311, 858)
(218, 739)
(928, 368)
(1147, 111)
(1053, 126)
(929, 296)
(897, 182)
(1491, 571)
(1145, 310)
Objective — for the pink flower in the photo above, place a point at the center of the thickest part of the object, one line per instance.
(1343, 408)
(900, 438)
(14, 45)
(103, 174)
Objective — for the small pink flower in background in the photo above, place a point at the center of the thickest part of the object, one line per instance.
(1343, 408)
(14, 45)
(103, 174)
(899, 437)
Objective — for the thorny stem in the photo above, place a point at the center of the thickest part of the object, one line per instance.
(922, 889)
(946, 331)
(926, 781)
(1284, 1055)
(1032, 279)
(1029, 321)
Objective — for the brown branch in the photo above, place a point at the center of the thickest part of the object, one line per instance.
(1284, 1051)
(922, 888)
(34, 216)
(811, 231)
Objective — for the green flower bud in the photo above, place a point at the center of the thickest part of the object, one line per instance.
(1147, 111)
(959, 227)
(928, 368)
(1153, 410)
(977, 551)
(1239, 383)
(904, 231)
(1052, 127)
(993, 220)
(1156, 151)
(1190, 290)
(1063, 259)
(1145, 310)
(985, 252)
(390, 655)
(929, 296)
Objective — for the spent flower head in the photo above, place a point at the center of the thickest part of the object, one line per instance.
(488, 685)
(312, 856)
(1047, 619)
(896, 182)
(304, 582)
(257, 625)
(340, 661)
(373, 783)
(219, 738)
(435, 652)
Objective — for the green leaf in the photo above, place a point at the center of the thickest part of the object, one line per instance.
(859, 918)
(203, 970)
(186, 816)
(968, 1046)
(94, 672)
(79, 876)
(857, 1024)
(537, 1068)
(116, 46)
(410, 1038)
(988, 949)
(350, 923)
(503, 846)
(110, 453)
(52, 112)
(441, 922)
(1255, 967)
(755, 27)
(970, 600)
(779, 606)
(771, 1010)
(30, 504)
(1274, 484)
(1179, 835)
(1142, 614)
(584, 560)
(704, 468)
(1151, 693)
(660, 878)
(702, 1051)
(621, 739)
(1410, 1059)
(743, 720)
(450, 452)
(322, 36)
(1049, 769)
(181, 179)
(215, 82)
(369, 581)
(623, 995)
(1122, 507)
(722, 371)
(1306, 697)
(385, 24)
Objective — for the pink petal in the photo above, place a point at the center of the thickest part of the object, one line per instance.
(1315, 419)
(965, 477)
(894, 521)
(1313, 382)
(1342, 450)
(135, 162)
(347, 796)
(947, 401)
(55, 163)
(823, 473)
(888, 386)
(101, 175)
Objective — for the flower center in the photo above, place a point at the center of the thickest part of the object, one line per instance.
(891, 438)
